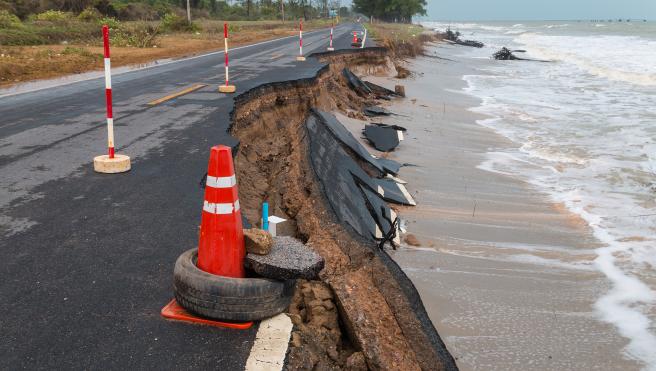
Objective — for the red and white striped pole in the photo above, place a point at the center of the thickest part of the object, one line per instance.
(108, 93)
(300, 42)
(110, 163)
(227, 88)
(330, 47)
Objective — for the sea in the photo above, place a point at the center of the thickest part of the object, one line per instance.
(583, 118)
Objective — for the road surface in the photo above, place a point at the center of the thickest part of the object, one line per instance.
(87, 258)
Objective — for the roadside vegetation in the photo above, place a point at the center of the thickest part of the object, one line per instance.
(402, 40)
(50, 38)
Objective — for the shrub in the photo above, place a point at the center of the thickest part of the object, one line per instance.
(113, 23)
(173, 22)
(89, 14)
(138, 35)
(8, 20)
(19, 36)
(75, 32)
(53, 16)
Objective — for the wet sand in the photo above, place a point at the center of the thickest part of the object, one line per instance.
(505, 274)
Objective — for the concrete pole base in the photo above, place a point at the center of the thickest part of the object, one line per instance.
(330, 49)
(300, 59)
(118, 164)
(227, 88)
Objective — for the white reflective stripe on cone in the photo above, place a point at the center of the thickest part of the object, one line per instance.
(221, 182)
(220, 209)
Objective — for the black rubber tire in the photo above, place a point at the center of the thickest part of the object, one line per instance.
(226, 298)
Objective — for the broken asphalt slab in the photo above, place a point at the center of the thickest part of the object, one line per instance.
(345, 183)
(289, 258)
(355, 83)
(383, 138)
(372, 111)
(383, 166)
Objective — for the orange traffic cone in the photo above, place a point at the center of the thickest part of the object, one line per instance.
(355, 37)
(221, 246)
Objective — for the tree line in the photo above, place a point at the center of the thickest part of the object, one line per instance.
(156, 9)
(391, 10)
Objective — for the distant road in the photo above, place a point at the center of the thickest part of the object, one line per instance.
(87, 259)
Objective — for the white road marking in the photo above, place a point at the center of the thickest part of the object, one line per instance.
(270, 346)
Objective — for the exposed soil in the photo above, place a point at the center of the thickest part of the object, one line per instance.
(378, 321)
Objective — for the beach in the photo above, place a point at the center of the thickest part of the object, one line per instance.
(507, 273)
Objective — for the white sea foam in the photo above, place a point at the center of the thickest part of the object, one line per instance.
(633, 59)
(585, 134)
(526, 258)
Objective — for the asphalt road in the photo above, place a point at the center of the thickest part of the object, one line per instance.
(86, 258)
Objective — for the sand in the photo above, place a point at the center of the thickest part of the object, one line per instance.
(505, 274)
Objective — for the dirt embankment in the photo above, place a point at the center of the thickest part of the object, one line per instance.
(403, 41)
(364, 313)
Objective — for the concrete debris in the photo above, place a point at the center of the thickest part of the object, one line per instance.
(382, 137)
(411, 240)
(376, 111)
(289, 259)
(257, 241)
(399, 90)
(280, 227)
(356, 84)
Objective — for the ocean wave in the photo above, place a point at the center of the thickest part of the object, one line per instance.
(557, 25)
(462, 26)
(632, 59)
(593, 157)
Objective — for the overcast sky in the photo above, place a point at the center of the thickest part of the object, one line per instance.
(540, 9)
